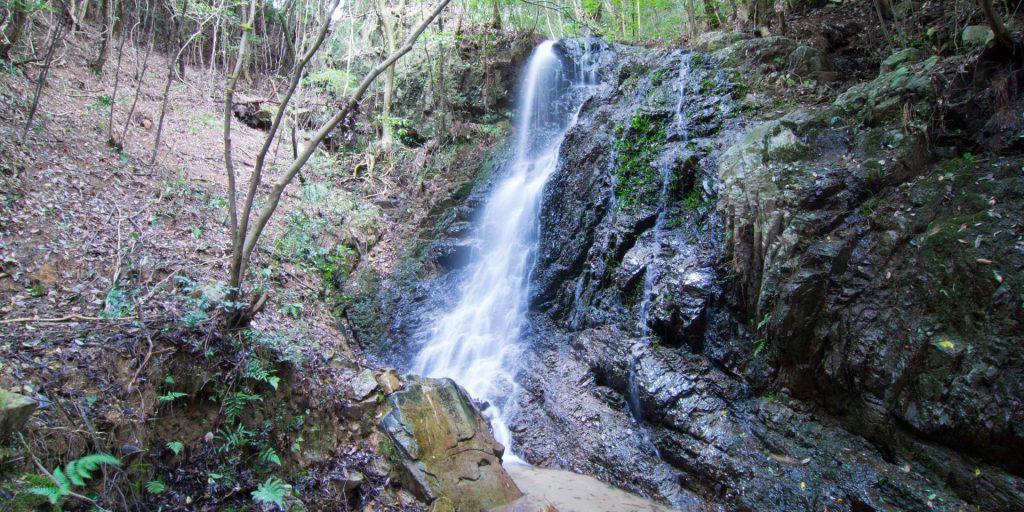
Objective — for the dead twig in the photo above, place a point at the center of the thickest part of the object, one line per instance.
(145, 360)
(68, 318)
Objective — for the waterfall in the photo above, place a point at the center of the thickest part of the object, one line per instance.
(664, 202)
(643, 319)
(476, 342)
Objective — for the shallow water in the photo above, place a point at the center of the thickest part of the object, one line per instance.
(570, 492)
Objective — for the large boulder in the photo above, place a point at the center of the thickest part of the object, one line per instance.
(15, 410)
(445, 448)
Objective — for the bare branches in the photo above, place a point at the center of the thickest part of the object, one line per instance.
(56, 37)
(245, 237)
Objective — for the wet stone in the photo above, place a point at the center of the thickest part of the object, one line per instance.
(15, 411)
(444, 447)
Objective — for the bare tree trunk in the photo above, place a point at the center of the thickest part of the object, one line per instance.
(55, 38)
(172, 58)
(880, 10)
(389, 25)
(495, 15)
(141, 79)
(105, 35)
(12, 31)
(229, 164)
(1003, 37)
(691, 19)
(83, 11)
(780, 16)
(113, 95)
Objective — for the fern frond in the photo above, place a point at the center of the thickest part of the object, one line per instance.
(72, 472)
(155, 487)
(271, 492)
(62, 481)
(269, 455)
(83, 467)
(52, 494)
(235, 404)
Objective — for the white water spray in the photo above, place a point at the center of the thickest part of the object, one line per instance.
(476, 343)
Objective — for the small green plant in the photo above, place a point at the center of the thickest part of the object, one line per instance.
(117, 303)
(292, 309)
(759, 345)
(232, 439)
(171, 396)
(236, 403)
(59, 484)
(271, 492)
(176, 447)
(155, 487)
(258, 372)
(102, 102)
(638, 145)
(269, 456)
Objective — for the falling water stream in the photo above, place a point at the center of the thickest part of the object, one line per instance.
(476, 342)
(643, 318)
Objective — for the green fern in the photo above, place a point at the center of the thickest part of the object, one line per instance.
(271, 492)
(176, 447)
(231, 439)
(155, 487)
(256, 371)
(75, 473)
(172, 396)
(269, 456)
(235, 404)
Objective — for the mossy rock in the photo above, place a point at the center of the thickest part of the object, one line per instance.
(811, 63)
(883, 99)
(976, 36)
(15, 411)
(902, 58)
(717, 39)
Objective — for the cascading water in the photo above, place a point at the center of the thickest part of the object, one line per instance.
(643, 318)
(643, 324)
(475, 343)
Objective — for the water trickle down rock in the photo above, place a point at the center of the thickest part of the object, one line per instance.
(444, 446)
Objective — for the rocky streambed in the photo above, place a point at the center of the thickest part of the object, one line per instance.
(748, 303)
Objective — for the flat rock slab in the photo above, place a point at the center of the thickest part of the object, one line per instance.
(445, 447)
(565, 491)
(15, 410)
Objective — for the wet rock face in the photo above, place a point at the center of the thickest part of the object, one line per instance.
(820, 256)
(871, 270)
(445, 447)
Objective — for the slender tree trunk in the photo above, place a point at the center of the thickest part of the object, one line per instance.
(389, 25)
(55, 38)
(880, 11)
(229, 94)
(691, 18)
(1003, 37)
(141, 79)
(83, 11)
(495, 15)
(172, 58)
(105, 35)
